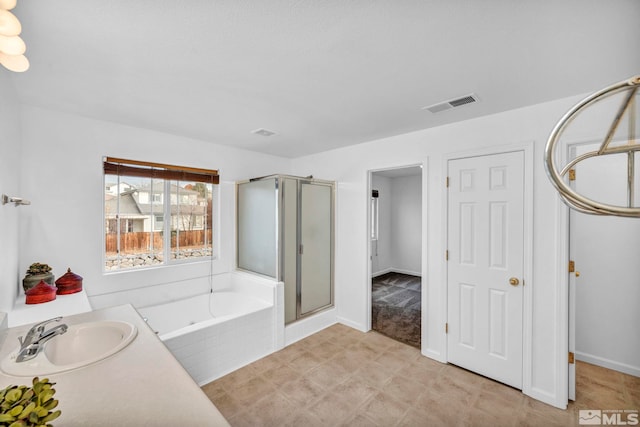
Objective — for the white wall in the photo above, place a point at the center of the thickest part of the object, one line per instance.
(406, 224)
(10, 147)
(399, 245)
(62, 174)
(349, 166)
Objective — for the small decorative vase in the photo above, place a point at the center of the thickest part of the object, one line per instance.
(69, 283)
(31, 281)
(42, 292)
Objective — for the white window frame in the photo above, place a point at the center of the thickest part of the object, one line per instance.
(375, 218)
(166, 216)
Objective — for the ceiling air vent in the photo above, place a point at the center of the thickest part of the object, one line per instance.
(453, 103)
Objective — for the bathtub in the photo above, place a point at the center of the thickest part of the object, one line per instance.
(216, 333)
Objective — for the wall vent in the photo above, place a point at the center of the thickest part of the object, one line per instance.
(453, 103)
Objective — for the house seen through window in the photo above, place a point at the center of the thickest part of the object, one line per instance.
(157, 214)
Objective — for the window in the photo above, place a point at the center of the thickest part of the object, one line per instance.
(161, 214)
(374, 215)
(159, 222)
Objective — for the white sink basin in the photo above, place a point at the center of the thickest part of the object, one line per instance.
(81, 345)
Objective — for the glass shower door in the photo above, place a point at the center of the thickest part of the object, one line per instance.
(316, 246)
(257, 226)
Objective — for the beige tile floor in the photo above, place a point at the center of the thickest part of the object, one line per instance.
(341, 376)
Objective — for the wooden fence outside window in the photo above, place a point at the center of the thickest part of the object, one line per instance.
(132, 243)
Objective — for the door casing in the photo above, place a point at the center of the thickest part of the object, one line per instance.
(571, 149)
(425, 174)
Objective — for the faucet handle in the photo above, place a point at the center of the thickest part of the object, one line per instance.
(36, 329)
(40, 326)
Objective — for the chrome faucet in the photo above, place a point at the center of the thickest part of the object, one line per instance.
(34, 340)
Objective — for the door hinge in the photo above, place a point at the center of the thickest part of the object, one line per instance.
(572, 266)
(446, 328)
(301, 249)
(447, 182)
(572, 174)
(572, 358)
(446, 255)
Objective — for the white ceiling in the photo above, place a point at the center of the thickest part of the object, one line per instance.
(321, 74)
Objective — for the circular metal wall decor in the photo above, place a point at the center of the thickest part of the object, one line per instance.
(628, 90)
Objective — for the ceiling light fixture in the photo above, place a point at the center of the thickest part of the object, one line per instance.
(12, 47)
(263, 132)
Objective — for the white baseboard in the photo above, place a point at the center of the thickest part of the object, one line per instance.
(409, 272)
(302, 328)
(358, 326)
(396, 270)
(381, 272)
(609, 364)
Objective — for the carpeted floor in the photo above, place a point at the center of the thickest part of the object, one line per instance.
(396, 307)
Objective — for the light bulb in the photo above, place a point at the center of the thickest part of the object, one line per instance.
(17, 63)
(9, 24)
(7, 4)
(12, 45)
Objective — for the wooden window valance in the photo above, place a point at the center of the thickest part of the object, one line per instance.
(115, 166)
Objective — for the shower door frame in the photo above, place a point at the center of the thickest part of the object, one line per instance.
(331, 185)
(280, 236)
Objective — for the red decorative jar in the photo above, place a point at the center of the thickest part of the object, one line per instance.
(69, 283)
(42, 292)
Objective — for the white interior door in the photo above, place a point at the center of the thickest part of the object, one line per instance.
(486, 265)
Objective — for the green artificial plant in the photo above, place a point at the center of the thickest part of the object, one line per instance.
(38, 268)
(22, 406)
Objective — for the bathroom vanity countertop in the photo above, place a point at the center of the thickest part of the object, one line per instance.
(142, 385)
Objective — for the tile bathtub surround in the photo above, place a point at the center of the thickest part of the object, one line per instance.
(341, 376)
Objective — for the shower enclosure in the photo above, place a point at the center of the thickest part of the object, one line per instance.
(285, 229)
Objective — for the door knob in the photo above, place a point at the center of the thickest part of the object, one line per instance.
(514, 281)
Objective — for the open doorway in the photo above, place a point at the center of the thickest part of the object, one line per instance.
(603, 280)
(396, 253)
